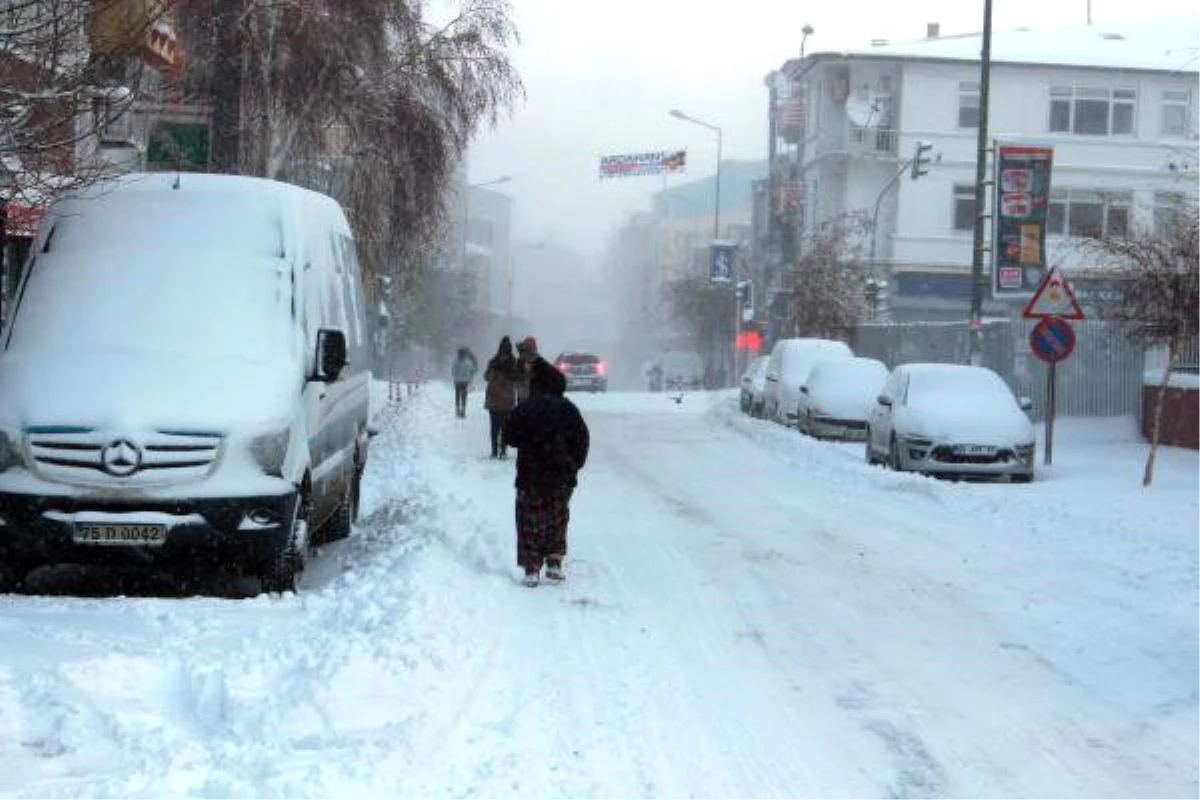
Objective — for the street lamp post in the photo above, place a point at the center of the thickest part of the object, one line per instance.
(716, 234)
(675, 112)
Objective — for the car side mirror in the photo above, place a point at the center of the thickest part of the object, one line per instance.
(331, 354)
(884, 400)
(1025, 403)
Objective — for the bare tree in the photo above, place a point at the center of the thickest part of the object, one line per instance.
(1161, 277)
(827, 286)
(367, 100)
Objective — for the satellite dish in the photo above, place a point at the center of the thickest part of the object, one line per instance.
(863, 111)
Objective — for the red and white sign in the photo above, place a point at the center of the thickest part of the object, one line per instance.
(1053, 298)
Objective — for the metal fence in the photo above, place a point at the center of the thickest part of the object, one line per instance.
(1102, 377)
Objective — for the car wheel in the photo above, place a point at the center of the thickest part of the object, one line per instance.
(279, 574)
(12, 577)
(894, 455)
(871, 459)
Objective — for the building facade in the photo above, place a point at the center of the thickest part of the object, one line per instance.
(1118, 105)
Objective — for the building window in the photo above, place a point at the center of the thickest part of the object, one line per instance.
(968, 104)
(964, 208)
(1086, 213)
(1091, 111)
(1169, 208)
(1176, 112)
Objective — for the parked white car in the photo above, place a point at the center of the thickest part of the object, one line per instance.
(750, 397)
(951, 419)
(838, 396)
(791, 359)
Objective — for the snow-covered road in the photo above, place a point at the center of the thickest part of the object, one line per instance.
(748, 613)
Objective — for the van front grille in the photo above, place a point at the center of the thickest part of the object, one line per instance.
(107, 459)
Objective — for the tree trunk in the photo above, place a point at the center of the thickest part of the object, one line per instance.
(1156, 428)
(227, 87)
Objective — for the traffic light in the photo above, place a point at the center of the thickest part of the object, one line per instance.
(920, 160)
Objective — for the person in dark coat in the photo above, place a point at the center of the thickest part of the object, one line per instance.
(552, 442)
(500, 395)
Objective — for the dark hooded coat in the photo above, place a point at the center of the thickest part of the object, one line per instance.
(551, 438)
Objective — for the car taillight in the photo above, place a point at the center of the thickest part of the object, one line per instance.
(601, 368)
(561, 366)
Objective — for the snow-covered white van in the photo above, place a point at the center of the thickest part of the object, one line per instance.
(184, 378)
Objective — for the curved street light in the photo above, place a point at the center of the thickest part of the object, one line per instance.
(675, 112)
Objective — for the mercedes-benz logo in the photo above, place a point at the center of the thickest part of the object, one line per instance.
(121, 458)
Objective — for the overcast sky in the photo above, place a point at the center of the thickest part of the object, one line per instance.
(602, 75)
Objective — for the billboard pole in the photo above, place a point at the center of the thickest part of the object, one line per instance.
(975, 321)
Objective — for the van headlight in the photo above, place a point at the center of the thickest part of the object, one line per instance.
(10, 453)
(270, 449)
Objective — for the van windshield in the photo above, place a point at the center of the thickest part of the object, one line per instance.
(169, 223)
(171, 304)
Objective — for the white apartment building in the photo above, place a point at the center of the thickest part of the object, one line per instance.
(1118, 104)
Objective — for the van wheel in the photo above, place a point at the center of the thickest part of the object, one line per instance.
(341, 523)
(12, 577)
(279, 574)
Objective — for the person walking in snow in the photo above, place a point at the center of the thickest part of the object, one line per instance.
(526, 353)
(552, 441)
(463, 370)
(499, 397)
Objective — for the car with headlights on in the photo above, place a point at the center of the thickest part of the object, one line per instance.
(951, 419)
(583, 371)
(750, 396)
(837, 397)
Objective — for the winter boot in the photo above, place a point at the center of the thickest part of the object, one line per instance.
(554, 569)
(531, 577)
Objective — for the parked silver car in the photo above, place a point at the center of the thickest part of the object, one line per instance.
(951, 419)
(750, 396)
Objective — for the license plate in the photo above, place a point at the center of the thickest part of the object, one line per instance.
(119, 535)
(974, 450)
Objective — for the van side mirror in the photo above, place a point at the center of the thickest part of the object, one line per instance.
(1025, 403)
(803, 390)
(884, 400)
(331, 354)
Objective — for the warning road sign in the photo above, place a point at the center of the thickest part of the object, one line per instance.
(1053, 298)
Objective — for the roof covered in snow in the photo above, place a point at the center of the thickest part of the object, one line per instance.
(1165, 45)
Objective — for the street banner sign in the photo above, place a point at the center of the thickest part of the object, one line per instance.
(721, 264)
(1054, 297)
(1020, 206)
(659, 162)
(1052, 339)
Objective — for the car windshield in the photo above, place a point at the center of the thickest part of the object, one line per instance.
(934, 388)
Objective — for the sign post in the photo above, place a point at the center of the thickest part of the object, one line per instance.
(1052, 338)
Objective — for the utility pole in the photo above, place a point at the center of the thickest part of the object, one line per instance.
(975, 320)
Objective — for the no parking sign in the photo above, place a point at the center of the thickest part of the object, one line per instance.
(1052, 339)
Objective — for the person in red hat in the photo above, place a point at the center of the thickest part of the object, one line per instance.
(526, 352)
(552, 442)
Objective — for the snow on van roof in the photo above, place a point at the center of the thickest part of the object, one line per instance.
(1165, 44)
(184, 213)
